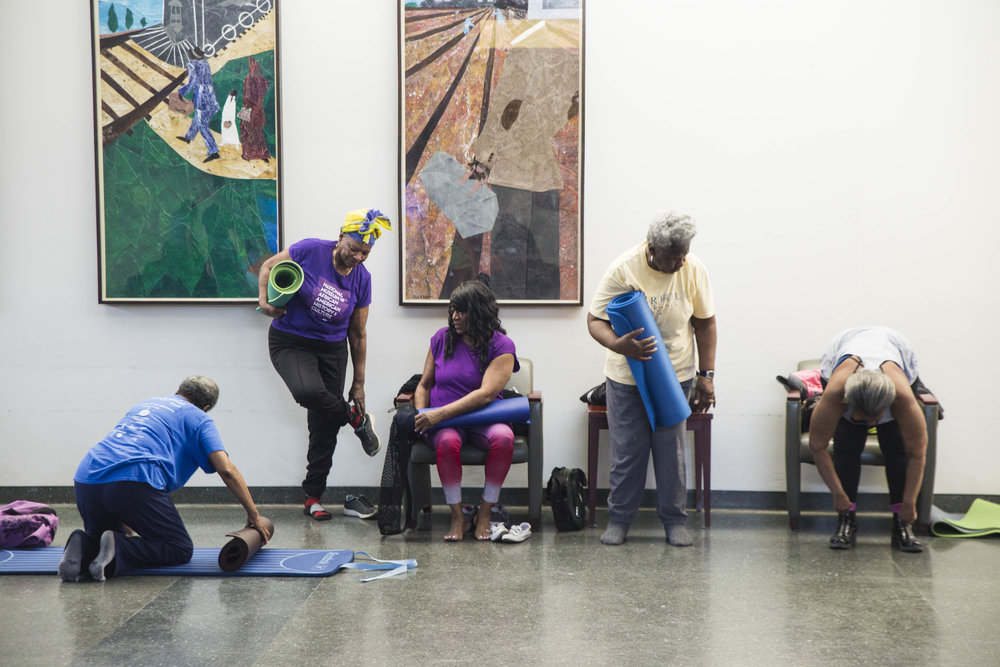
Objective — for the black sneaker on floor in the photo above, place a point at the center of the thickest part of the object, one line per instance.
(369, 439)
(359, 506)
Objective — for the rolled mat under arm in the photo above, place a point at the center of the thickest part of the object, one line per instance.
(504, 410)
(283, 282)
(243, 546)
(666, 404)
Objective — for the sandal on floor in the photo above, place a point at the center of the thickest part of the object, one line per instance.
(518, 533)
(316, 511)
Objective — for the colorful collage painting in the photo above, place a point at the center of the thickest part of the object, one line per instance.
(186, 110)
(491, 149)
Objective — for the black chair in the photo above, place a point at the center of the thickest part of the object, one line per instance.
(797, 452)
(528, 447)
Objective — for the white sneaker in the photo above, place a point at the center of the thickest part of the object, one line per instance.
(497, 530)
(518, 533)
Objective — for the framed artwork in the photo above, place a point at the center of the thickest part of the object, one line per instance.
(187, 143)
(491, 149)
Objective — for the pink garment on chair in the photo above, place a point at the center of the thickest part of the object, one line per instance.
(810, 378)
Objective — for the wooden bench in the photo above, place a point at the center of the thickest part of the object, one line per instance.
(699, 423)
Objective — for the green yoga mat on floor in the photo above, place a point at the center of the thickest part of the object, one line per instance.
(983, 518)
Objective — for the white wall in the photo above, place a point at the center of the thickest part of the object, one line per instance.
(842, 160)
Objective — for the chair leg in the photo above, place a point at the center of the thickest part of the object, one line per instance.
(793, 477)
(535, 493)
(420, 491)
(593, 440)
(793, 467)
(705, 433)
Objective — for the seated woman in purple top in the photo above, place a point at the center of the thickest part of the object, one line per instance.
(468, 363)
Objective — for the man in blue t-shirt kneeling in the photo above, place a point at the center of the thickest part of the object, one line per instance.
(126, 480)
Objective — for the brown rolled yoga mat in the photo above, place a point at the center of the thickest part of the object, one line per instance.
(243, 546)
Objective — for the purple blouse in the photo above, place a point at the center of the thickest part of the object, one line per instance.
(459, 376)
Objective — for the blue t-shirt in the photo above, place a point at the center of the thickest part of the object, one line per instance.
(160, 441)
(323, 306)
(461, 375)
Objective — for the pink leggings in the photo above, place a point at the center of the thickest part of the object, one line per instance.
(497, 440)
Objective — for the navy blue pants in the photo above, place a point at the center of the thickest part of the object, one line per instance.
(163, 539)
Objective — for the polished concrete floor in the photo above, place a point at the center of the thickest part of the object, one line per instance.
(749, 592)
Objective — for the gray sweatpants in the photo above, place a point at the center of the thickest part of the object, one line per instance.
(632, 439)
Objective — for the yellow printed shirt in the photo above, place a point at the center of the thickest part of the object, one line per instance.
(674, 299)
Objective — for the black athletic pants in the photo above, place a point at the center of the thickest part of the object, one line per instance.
(314, 371)
(849, 443)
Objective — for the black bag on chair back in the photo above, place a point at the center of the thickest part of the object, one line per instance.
(566, 492)
(394, 493)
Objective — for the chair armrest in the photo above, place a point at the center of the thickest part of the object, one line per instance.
(793, 395)
(535, 396)
(927, 399)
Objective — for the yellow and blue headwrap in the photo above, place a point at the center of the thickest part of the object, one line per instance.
(366, 225)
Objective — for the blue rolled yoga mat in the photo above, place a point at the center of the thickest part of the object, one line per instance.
(512, 410)
(661, 393)
(283, 282)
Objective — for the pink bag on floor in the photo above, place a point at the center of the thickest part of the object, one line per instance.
(27, 524)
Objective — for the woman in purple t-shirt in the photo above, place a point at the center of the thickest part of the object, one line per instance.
(309, 340)
(468, 363)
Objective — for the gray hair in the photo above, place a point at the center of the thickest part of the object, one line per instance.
(201, 391)
(671, 230)
(869, 393)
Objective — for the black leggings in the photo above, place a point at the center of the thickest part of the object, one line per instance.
(314, 371)
(849, 443)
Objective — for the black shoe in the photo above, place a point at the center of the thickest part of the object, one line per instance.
(369, 439)
(902, 537)
(847, 531)
(360, 507)
(213, 156)
(184, 139)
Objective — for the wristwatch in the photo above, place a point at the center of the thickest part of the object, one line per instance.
(709, 375)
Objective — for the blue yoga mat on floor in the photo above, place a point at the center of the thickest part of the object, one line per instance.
(505, 410)
(205, 562)
(661, 393)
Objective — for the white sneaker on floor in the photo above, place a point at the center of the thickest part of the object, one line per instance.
(497, 530)
(518, 533)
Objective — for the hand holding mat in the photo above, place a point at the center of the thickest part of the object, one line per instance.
(512, 410)
(243, 546)
(661, 393)
(283, 282)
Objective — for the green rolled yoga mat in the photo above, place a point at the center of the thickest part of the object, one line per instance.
(284, 281)
(983, 518)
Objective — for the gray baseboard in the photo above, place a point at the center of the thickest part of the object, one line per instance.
(514, 497)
